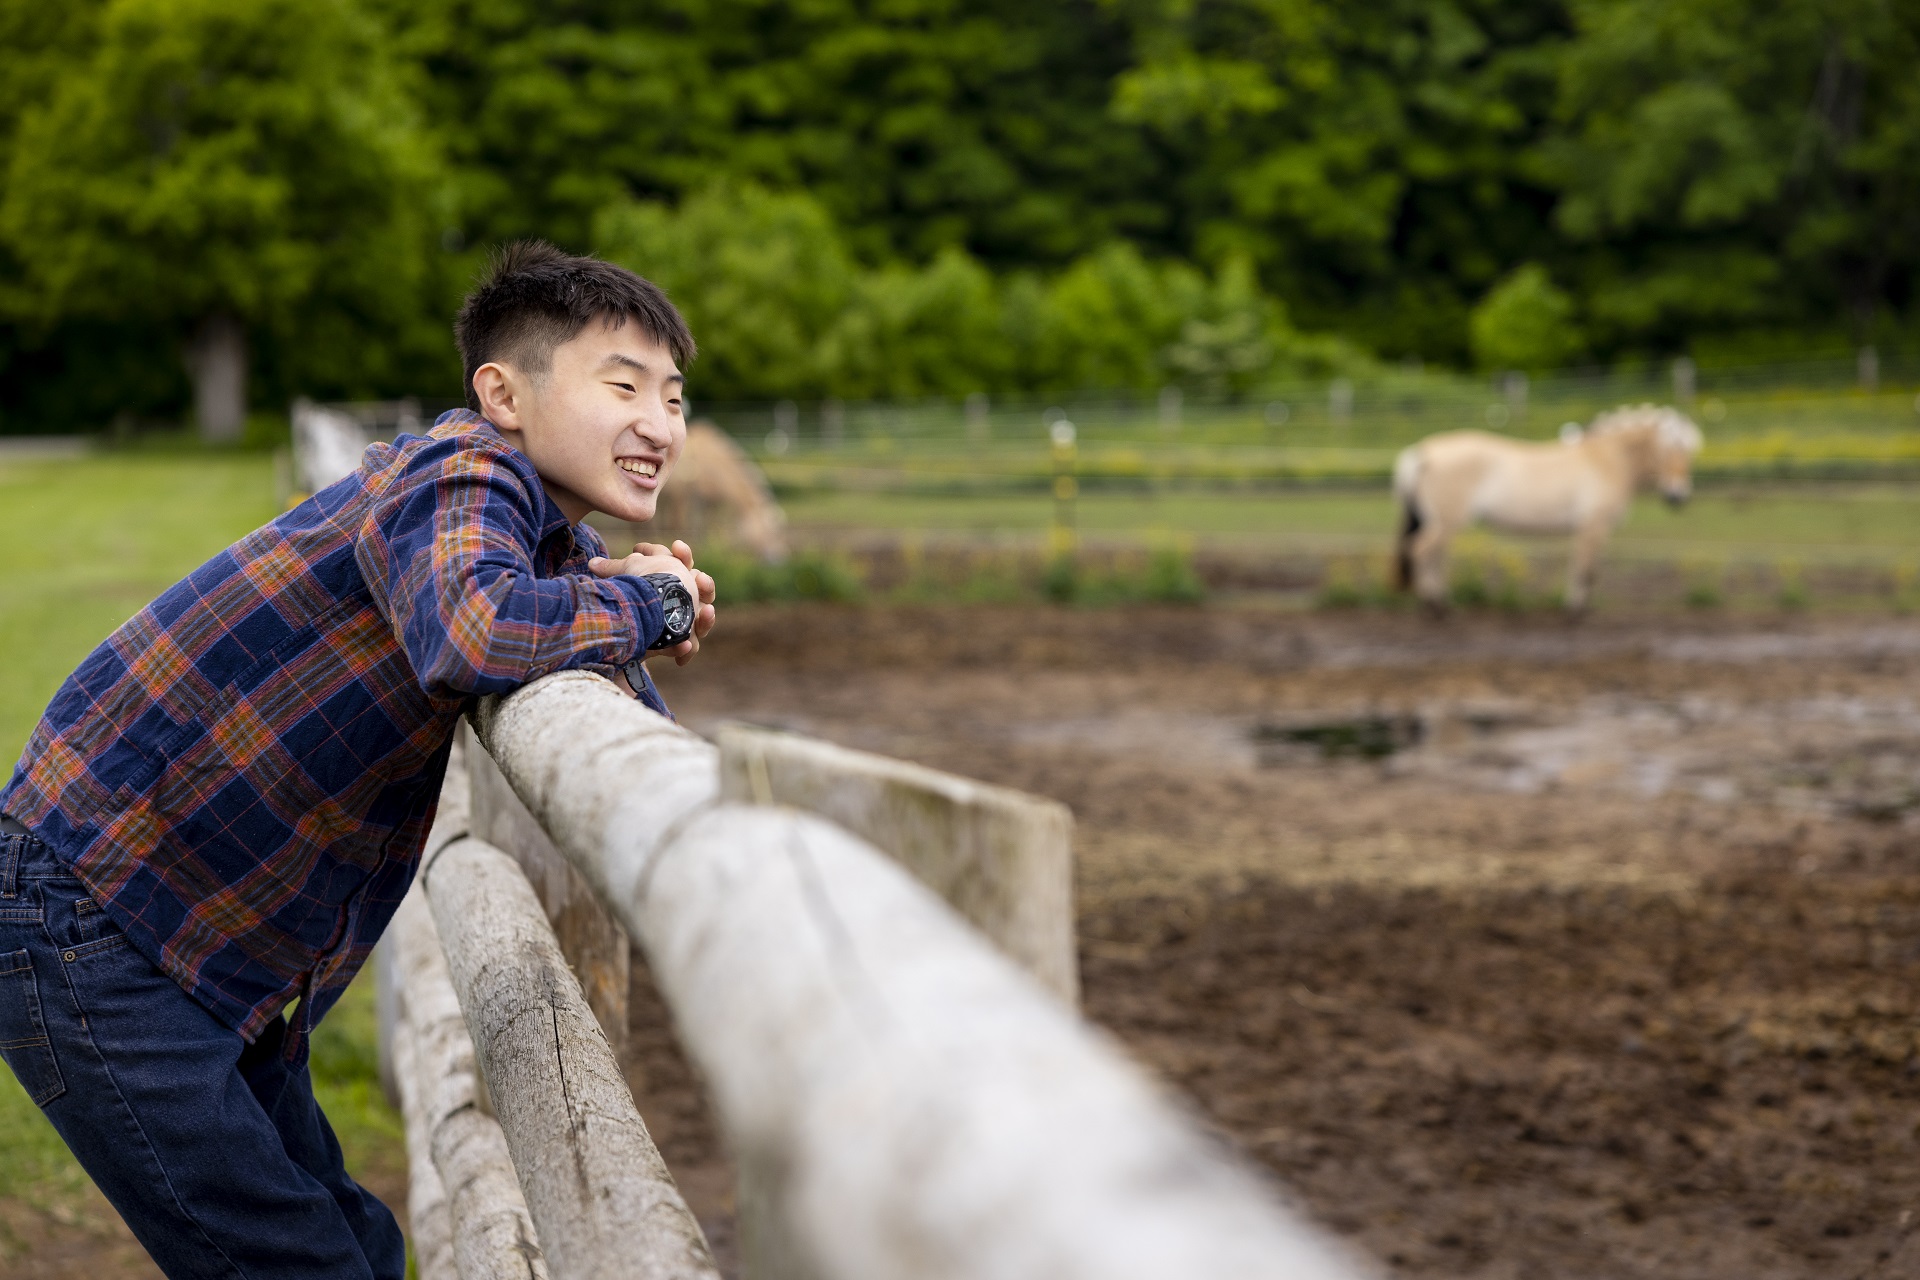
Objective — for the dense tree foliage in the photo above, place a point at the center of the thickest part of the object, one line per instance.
(928, 197)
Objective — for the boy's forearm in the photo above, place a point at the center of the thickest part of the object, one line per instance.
(505, 629)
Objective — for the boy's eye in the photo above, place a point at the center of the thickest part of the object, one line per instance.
(625, 386)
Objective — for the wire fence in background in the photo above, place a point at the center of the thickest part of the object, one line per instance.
(1824, 418)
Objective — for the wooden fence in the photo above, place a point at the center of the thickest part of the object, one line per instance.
(870, 964)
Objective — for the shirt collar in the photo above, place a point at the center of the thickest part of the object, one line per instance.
(458, 421)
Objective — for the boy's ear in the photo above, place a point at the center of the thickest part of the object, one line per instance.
(497, 389)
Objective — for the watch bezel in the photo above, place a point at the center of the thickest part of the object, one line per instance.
(665, 584)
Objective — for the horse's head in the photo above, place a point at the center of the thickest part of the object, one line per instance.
(1660, 442)
(1676, 439)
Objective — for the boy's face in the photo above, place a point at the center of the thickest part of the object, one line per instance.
(603, 426)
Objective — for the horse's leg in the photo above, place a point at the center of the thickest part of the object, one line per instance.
(1429, 553)
(1588, 540)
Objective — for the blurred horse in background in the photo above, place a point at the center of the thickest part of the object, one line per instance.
(716, 492)
(1581, 484)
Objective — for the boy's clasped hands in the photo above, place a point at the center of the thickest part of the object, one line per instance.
(651, 557)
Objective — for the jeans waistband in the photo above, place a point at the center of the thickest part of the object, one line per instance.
(26, 857)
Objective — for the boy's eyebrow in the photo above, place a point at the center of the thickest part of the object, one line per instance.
(626, 361)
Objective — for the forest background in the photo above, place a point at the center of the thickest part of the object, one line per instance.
(892, 199)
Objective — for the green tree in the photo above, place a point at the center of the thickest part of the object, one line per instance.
(213, 170)
(1373, 161)
(1525, 322)
(919, 124)
(1729, 167)
(760, 276)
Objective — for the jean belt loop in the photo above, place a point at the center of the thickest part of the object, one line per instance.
(11, 848)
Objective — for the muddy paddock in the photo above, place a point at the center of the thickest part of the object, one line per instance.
(1512, 947)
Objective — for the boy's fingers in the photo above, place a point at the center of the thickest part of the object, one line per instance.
(703, 620)
(707, 588)
(683, 553)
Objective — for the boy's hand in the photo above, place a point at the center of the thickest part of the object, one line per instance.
(651, 557)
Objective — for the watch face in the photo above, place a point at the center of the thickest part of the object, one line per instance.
(679, 611)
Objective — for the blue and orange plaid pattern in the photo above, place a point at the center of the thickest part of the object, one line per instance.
(243, 774)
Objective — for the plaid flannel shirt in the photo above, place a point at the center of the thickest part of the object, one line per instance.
(244, 773)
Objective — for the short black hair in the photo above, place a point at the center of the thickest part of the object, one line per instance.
(532, 297)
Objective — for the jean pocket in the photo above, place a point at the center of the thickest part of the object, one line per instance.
(23, 1031)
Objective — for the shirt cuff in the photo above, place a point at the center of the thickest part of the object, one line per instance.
(646, 613)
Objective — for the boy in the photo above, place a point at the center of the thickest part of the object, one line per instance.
(223, 806)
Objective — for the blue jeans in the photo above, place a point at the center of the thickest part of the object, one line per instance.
(212, 1149)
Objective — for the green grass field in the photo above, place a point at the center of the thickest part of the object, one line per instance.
(84, 543)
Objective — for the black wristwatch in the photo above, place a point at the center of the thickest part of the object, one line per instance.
(677, 603)
(678, 607)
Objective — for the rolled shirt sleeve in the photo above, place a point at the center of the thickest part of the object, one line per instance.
(451, 561)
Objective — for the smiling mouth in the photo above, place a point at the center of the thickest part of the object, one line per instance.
(639, 467)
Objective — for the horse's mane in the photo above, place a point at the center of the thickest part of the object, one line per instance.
(1674, 428)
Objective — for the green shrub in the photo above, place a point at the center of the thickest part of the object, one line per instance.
(1793, 594)
(1525, 322)
(1062, 584)
(1704, 584)
(1340, 587)
(1170, 577)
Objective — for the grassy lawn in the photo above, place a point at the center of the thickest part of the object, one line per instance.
(83, 544)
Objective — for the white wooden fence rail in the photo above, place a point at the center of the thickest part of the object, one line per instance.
(905, 1101)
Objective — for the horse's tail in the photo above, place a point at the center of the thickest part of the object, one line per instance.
(1406, 478)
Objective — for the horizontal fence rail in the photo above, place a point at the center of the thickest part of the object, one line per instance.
(903, 1099)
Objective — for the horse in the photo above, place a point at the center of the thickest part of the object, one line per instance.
(1580, 484)
(716, 489)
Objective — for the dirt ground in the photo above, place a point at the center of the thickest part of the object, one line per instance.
(1511, 947)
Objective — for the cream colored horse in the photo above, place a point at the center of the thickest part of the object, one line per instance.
(1580, 484)
(715, 491)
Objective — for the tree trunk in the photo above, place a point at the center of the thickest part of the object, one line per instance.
(218, 362)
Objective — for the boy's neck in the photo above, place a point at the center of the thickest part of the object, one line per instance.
(572, 505)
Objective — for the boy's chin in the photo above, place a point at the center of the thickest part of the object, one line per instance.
(631, 510)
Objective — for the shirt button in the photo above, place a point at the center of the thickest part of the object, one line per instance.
(67, 956)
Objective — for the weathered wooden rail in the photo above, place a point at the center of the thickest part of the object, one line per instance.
(881, 1007)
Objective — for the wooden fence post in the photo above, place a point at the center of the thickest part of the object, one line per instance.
(598, 1191)
(1001, 858)
(595, 945)
(491, 1233)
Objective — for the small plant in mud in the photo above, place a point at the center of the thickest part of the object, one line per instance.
(1704, 580)
(1793, 595)
(1170, 576)
(1062, 582)
(1906, 587)
(1491, 577)
(1352, 582)
(1341, 587)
